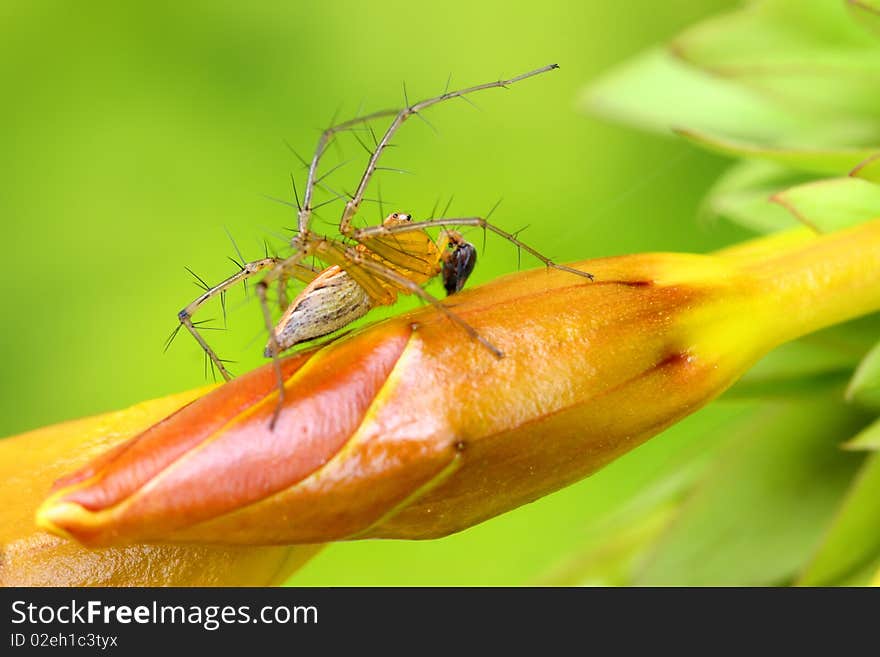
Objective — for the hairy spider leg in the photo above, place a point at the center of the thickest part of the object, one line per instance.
(305, 211)
(400, 116)
(273, 346)
(369, 236)
(250, 269)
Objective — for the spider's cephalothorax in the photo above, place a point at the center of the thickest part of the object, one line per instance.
(364, 267)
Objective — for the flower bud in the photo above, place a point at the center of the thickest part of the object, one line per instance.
(410, 429)
(29, 557)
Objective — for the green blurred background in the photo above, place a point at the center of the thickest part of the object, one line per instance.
(133, 134)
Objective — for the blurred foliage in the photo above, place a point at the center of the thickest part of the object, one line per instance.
(762, 506)
(136, 133)
(850, 548)
(864, 388)
(790, 88)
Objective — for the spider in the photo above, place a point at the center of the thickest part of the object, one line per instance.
(366, 267)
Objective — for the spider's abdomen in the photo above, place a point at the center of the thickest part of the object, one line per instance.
(330, 302)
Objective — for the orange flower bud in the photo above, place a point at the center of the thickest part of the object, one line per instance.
(29, 557)
(408, 429)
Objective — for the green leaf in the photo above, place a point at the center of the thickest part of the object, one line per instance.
(832, 204)
(867, 439)
(617, 543)
(867, 575)
(853, 540)
(868, 169)
(787, 81)
(762, 509)
(657, 91)
(830, 160)
(810, 54)
(612, 562)
(789, 387)
(864, 389)
(867, 12)
(742, 195)
(794, 370)
(856, 337)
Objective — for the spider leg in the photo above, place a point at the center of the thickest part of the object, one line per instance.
(273, 346)
(305, 211)
(248, 270)
(351, 207)
(371, 232)
(303, 273)
(283, 298)
(285, 267)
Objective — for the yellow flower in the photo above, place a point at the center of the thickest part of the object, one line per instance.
(408, 429)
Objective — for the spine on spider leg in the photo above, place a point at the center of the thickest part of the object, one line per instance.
(407, 430)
